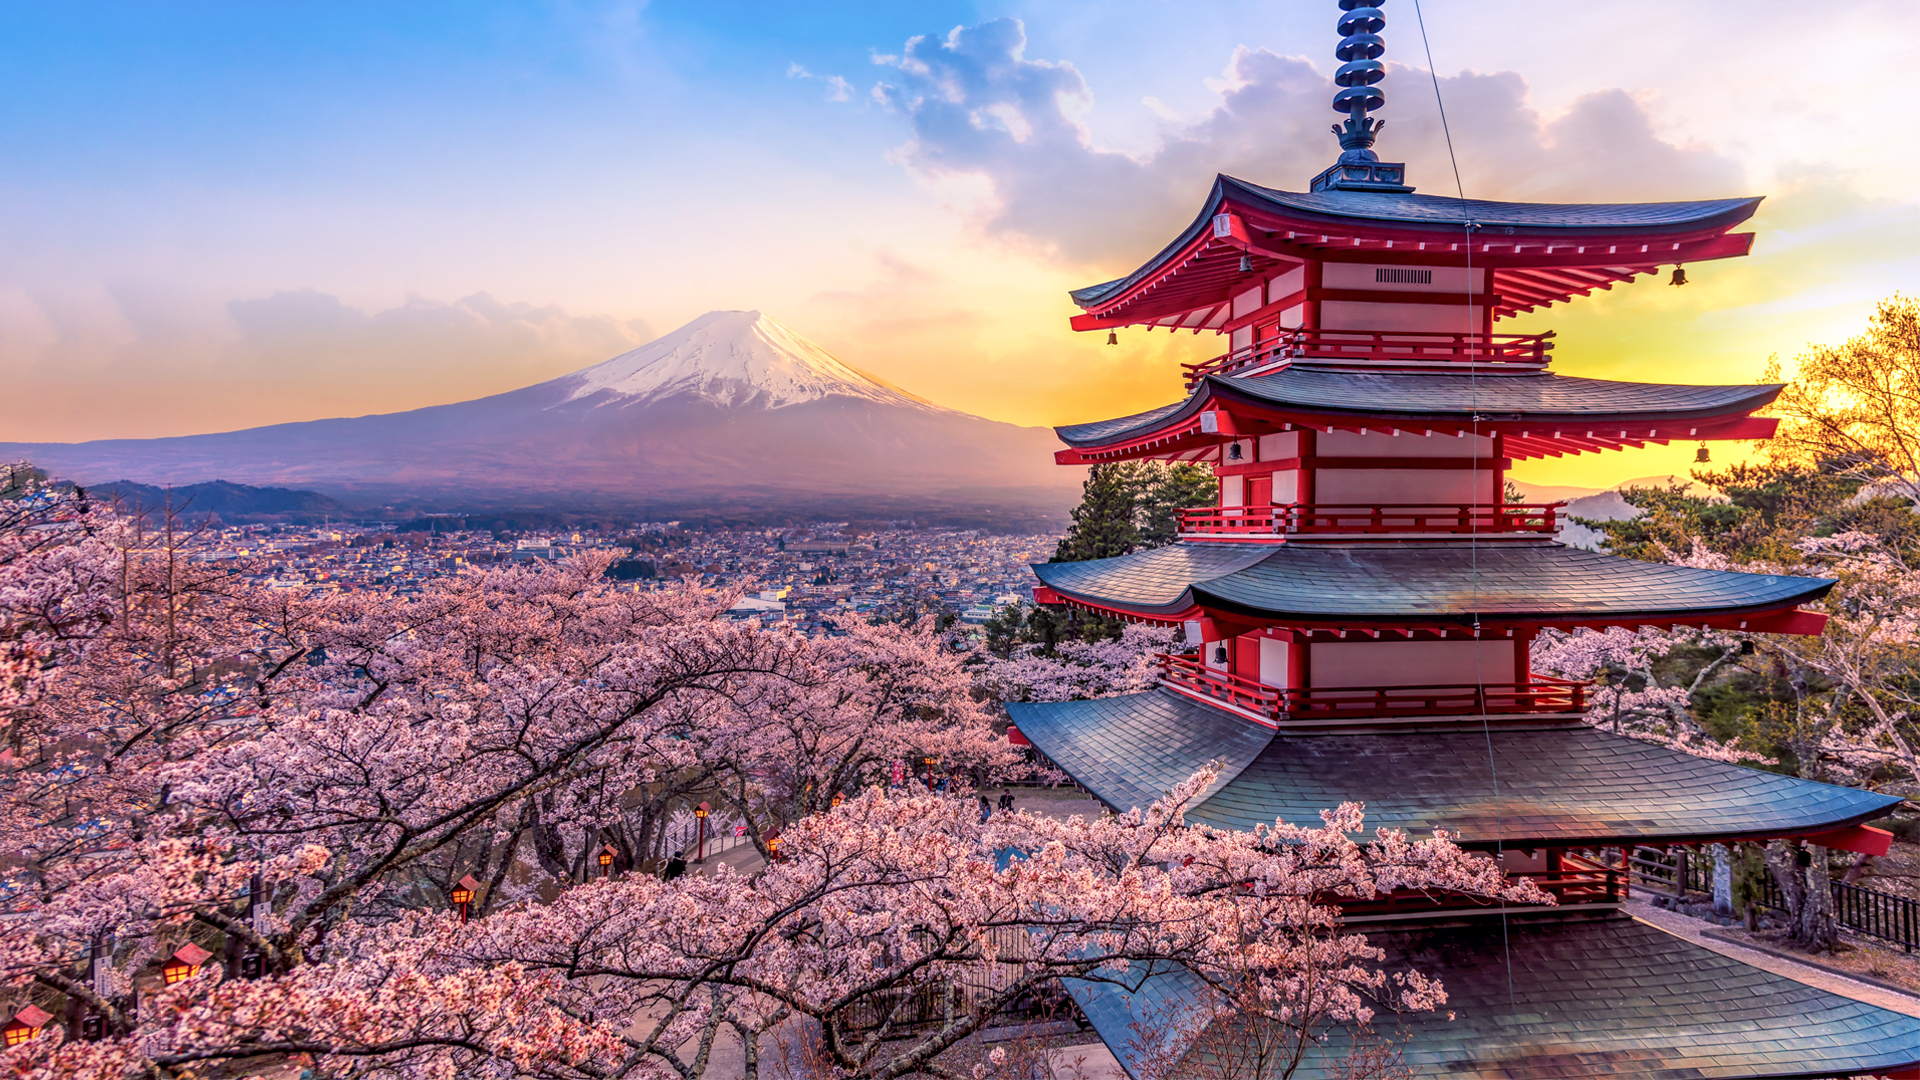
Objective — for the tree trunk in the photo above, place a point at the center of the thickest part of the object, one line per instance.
(1808, 893)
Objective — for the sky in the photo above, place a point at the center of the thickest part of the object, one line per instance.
(220, 215)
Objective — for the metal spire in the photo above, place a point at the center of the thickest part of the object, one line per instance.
(1361, 47)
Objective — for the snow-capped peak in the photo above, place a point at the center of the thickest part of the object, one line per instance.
(732, 358)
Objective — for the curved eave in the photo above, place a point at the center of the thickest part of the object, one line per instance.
(1559, 784)
(1428, 585)
(1535, 249)
(1499, 409)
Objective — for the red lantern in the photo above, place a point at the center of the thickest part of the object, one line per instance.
(182, 965)
(25, 1024)
(462, 894)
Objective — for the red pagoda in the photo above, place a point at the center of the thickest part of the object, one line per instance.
(1363, 599)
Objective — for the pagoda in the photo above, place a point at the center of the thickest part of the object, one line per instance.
(1359, 603)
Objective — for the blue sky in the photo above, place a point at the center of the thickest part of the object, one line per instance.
(223, 214)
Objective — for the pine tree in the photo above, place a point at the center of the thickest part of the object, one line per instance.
(1103, 522)
(1164, 491)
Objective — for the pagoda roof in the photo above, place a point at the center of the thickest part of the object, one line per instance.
(1611, 996)
(1528, 408)
(1541, 253)
(1416, 583)
(1559, 784)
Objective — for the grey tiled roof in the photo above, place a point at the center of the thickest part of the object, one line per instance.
(1447, 210)
(1444, 214)
(1439, 582)
(1542, 397)
(1131, 750)
(1544, 999)
(1564, 784)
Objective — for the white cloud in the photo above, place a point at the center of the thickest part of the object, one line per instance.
(977, 106)
(140, 362)
(838, 88)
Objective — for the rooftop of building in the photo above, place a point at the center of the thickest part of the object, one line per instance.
(1558, 783)
(1418, 583)
(1545, 998)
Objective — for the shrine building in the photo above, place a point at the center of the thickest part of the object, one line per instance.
(1360, 601)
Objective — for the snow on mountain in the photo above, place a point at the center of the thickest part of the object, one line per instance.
(730, 358)
(732, 406)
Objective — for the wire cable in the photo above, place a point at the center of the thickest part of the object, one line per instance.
(1468, 225)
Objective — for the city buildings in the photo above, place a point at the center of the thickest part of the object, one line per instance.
(817, 580)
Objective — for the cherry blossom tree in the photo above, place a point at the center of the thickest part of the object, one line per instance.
(295, 786)
(1078, 670)
(883, 901)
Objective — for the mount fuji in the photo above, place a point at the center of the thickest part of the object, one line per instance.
(732, 408)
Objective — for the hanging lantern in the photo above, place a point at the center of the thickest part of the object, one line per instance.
(1113, 337)
(182, 965)
(1701, 456)
(1679, 276)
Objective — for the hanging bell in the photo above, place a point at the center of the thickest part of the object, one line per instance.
(1679, 276)
(1246, 263)
(1702, 456)
(1233, 451)
(1113, 337)
(1219, 654)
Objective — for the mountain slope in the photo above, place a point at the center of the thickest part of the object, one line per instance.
(732, 405)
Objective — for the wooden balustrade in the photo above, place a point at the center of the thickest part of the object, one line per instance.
(1360, 519)
(1375, 348)
(1540, 695)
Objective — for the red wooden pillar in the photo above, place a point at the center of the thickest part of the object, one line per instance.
(1303, 489)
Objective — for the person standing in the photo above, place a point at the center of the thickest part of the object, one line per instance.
(675, 866)
(986, 810)
(1006, 802)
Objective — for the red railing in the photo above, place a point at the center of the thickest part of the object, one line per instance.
(1541, 695)
(1578, 881)
(1342, 518)
(1382, 347)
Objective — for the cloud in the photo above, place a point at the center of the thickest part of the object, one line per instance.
(138, 362)
(978, 107)
(838, 88)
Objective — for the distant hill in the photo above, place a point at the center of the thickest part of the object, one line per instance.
(732, 412)
(216, 496)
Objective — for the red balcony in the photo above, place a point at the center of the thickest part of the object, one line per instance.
(1343, 519)
(1379, 349)
(1321, 703)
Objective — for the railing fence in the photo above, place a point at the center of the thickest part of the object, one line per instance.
(1867, 912)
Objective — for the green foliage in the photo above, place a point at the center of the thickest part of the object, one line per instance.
(1756, 512)
(1131, 506)
(1103, 522)
(1017, 624)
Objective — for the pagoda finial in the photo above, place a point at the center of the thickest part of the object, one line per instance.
(1361, 47)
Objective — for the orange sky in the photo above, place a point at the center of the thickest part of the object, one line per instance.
(223, 218)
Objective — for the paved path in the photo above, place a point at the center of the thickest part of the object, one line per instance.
(1690, 929)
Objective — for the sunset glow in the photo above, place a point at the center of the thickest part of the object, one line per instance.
(221, 217)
